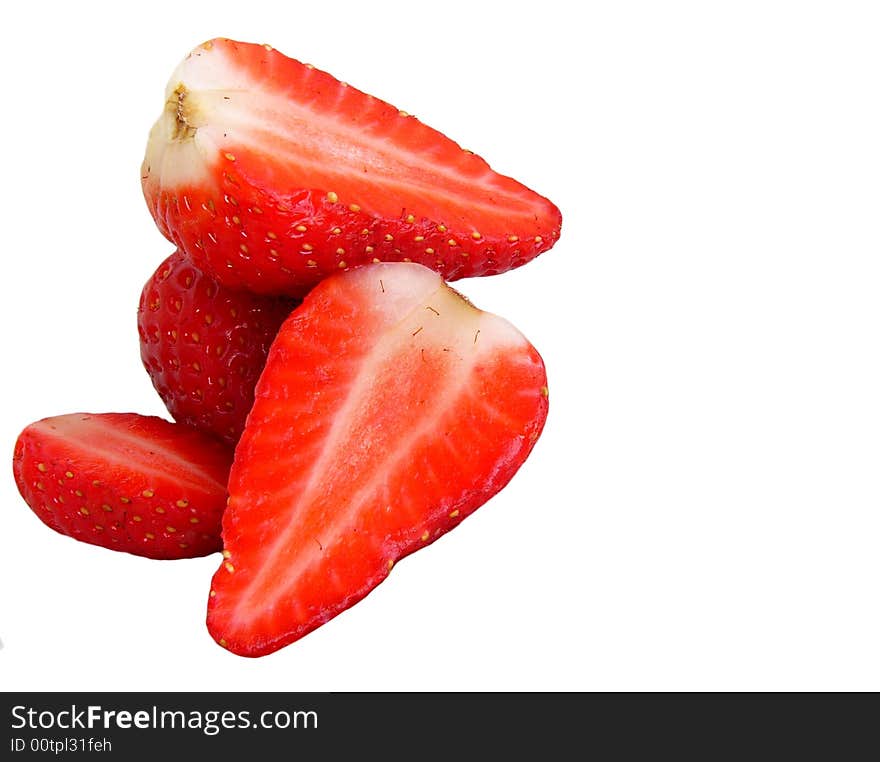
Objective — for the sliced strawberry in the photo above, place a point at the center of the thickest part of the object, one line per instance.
(390, 408)
(271, 174)
(128, 482)
(204, 345)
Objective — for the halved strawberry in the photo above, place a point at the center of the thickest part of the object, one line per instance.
(204, 345)
(389, 409)
(271, 175)
(125, 481)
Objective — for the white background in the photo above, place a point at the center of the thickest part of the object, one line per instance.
(702, 511)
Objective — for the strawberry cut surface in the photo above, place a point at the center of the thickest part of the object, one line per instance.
(204, 345)
(390, 408)
(124, 481)
(271, 174)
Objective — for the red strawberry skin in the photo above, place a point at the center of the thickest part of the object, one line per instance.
(204, 345)
(389, 410)
(271, 174)
(124, 481)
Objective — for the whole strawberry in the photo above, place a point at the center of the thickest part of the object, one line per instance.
(125, 481)
(204, 345)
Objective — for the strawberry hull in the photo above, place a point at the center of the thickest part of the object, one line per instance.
(271, 175)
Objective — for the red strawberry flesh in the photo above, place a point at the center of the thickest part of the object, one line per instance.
(389, 410)
(271, 174)
(125, 481)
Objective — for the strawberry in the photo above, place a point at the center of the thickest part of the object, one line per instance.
(390, 409)
(271, 174)
(124, 481)
(204, 345)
